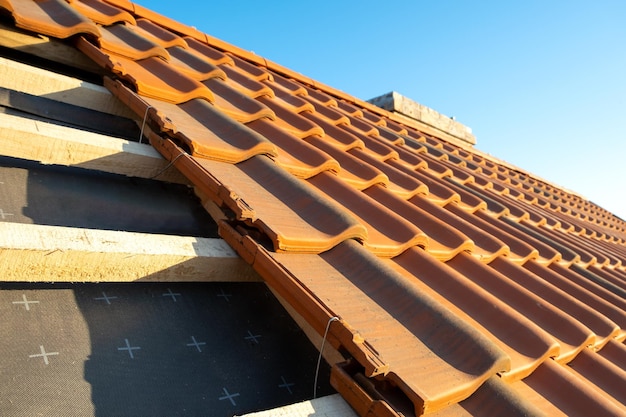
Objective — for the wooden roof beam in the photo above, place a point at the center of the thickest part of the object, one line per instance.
(49, 143)
(43, 83)
(36, 253)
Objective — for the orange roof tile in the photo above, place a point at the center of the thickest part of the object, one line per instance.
(463, 285)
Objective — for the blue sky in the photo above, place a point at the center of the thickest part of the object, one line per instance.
(542, 84)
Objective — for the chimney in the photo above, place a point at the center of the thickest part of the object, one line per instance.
(404, 106)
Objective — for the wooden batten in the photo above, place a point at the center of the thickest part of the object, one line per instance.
(36, 253)
(43, 47)
(62, 145)
(39, 82)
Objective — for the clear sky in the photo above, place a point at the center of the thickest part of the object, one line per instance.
(542, 84)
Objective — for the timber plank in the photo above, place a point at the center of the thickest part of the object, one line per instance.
(46, 48)
(39, 82)
(37, 253)
(53, 144)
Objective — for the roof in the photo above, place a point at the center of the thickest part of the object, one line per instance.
(462, 285)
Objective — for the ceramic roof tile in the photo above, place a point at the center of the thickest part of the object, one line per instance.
(373, 118)
(583, 290)
(288, 85)
(434, 167)
(615, 352)
(557, 392)
(215, 56)
(320, 96)
(159, 35)
(293, 123)
(493, 398)
(487, 247)
(401, 184)
(125, 41)
(388, 234)
(349, 109)
(152, 77)
(334, 135)
(253, 71)
(347, 278)
(526, 344)
(606, 277)
(101, 12)
(375, 148)
(566, 255)
(608, 274)
(462, 284)
(328, 113)
(413, 134)
(444, 241)
(604, 328)
(50, 17)
(199, 126)
(237, 80)
(512, 210)
(251, 189)
(389, 136)
(295, 155)
(353, 170)
(406, 160)
(235, 104)
(193, 65)
(359, 126)
(415, 145)
(519, 251)
(396, 127)
(459, 175)
(572, 335)
(561, 239)
(547, 254)
(438, 192)
(469, 200)
(581, 295)
(602, 373)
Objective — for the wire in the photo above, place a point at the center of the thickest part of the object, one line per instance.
(166, 167)
(319, 359)
(143, 124)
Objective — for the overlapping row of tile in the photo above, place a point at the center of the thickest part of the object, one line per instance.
(463, 286)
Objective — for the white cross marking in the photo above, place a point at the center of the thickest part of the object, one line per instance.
(169, 293)
(223, 294)
(3, 214)
(43, 355)
(129, 348)
(106, 298)
(25, 302)
(196, 344)
(253, 337)
(286, 384)
(228, 396)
